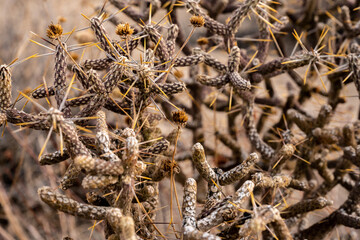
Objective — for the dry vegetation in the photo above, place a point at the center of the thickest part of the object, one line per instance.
(158, 119)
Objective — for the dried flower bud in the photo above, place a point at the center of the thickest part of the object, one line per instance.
(62, 19)
(178, 74)
(124, 30)
(168, 164)
(202, 41)
(84, 37)
(180, 117)
(197, 21)
(54, 31)
(74, 56)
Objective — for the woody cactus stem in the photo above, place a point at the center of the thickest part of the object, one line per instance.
(111, 127)
(190, 231)
(5, 87)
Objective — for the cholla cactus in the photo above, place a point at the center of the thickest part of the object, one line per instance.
(275, 172)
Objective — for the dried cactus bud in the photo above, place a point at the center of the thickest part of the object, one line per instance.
(178, 74)
(197, 21)
(54, 31)
(167, 165)
(202, 41)
(74, 56)
(124, 30)
(180, 117)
